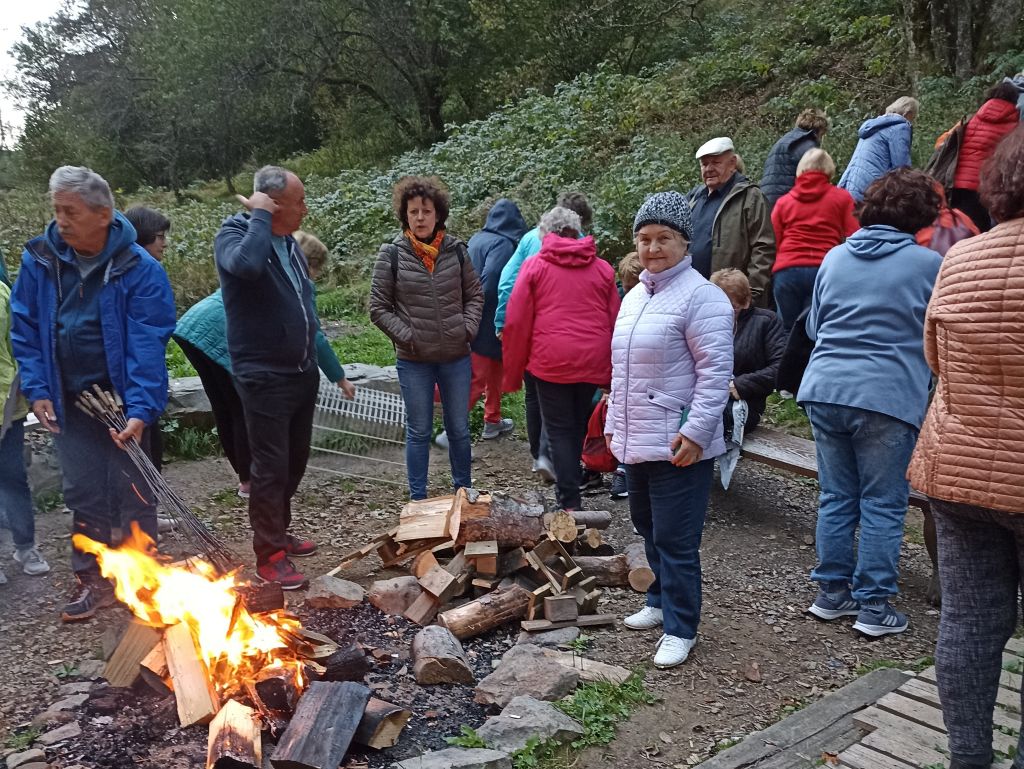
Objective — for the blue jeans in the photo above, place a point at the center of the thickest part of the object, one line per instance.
(15, 497)
(793, 287)
(417, 381)
(862, 467)
(668, 505)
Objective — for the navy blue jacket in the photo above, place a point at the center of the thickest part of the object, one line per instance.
(489, 250)
(780, 165)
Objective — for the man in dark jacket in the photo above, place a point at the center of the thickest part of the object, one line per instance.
(91, 307)
(780, 166)
(271, 331)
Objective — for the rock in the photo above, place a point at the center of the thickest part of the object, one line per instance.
(91, 668)
(20, 759)
(458, 758)
(35, 765)
(75, 687)
(377, 377)
(564, 635)
(61, 733)
(329, 592)
(525, 718)
(752, 671)
(524, 670)
(394, 596)
(49, 717)
(187, 399)
(106, 704)
(74, 702)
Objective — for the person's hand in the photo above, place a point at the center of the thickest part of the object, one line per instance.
(608, 441)
(684, 451)
(258, 200)
(347, 388)
(133, 430)
(43, 409)
(734, 392)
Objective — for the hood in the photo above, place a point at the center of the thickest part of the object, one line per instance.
(120, 235)
(876, 124)
(811, 186)
(998, 111)
(506, 219)
(878, 241)
(568, 252)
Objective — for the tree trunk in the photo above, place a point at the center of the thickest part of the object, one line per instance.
(511, 521)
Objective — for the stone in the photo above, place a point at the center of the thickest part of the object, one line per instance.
(327, 592)
(394, 596)
(560, 637)
(186, 399)
(50, 716)
(73, 702)
(91, 668)
(75, 687)
(35, 765)
(377, 377)
(458, 758)
(524, 670)
(525, 718)
(61, 733)
(20, 759)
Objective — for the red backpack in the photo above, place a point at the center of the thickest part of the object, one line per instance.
(596, 456)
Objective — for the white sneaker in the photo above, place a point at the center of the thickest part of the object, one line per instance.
(543, 467)
(32, 562)
(673, 650)
(442, 440)
(645, 619)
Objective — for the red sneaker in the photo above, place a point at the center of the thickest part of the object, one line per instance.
(299, 548)
(279, 569)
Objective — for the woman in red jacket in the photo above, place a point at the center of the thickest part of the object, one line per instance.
(558, 329)
(994, 119)
(809, 220)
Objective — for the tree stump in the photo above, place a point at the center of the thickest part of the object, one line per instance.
(438, 658)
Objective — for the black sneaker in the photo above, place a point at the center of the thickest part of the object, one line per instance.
(91, 593)
(590, 480)
(619, 490)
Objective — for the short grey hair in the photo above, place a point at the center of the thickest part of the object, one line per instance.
(557, 219)
(270, 179)
(84, 182)
(907, 106)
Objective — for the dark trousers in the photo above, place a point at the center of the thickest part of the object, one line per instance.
(536, 433)
(668, 505)
(279, 419)
(226, 406)
(969, 201)
(566, 409)
(102, 487)
(981, 566)
(15, 496)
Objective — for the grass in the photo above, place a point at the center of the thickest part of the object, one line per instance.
(50, 501)
(177, 364)
(366, 345)
(787, 416)
(19, 741)
(882, 663)
(189, 442)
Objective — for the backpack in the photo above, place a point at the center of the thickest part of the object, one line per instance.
(941, 166)
(596, 456)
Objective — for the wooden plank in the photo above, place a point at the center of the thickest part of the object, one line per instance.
(1007, 680)
(535, 608)
(234, 740)
(137, 642)
(1015, 646)
(873, 718)
(323, 726)
(590, 620)
(913, 710)
(197, 701)
(425, 519)
(896, 744)
(927, 692)
(859, 757)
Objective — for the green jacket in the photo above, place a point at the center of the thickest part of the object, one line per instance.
(742, 236)
(8, 366)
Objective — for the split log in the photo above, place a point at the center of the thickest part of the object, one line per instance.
(425, 519)
(154, 670)
(535, 608)
(137, 642)
(381, 724)
(484, 557)
(348, 663)
(607, 570)
(438, 658)
(276, 688)
(512, 561)
(440, 583)
(197, 701)
(323, 726)
(487, 612)
(268, 596)
(641, 576)
(423, 609)
(234, 741)
(563, 527)
(512, 521)
(423, 563)
(359, 553)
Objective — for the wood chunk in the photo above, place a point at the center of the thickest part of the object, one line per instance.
(348, 663)
(234, 741)
(512, 521)
(561, 608)
(486, 584)
(562, 527)
(381, 724)
(439, 583)
(137, 642)
(593, 538)
(459, 564)
(276, 687)
(592, 519)
(641, 576)
(154, 670)
(323, 726)
(445, 549)
(535, 625)
(586, 602)
(438, 658)
(572, 577)
(196, 699)
(487, 612)
(424, 609)
(587, 583)
(547, 550)
(535, 608)
(483, 556)
(425, 519)
(423, 563)
(263, 597)
(544, 572)
(607, 570)
(361, 552)
(512, 561)
(403, 551)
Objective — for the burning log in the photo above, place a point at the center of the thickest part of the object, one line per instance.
(381, 724)
(136, 644)
(349, 663)
(641, 576)
(234, 741)
(323, 726)
(196, 699)
(277, 688)
(257, 599)
(607, 570)
(438, 658)
(487, 612)
(513, 522)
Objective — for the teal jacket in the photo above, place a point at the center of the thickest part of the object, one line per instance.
(529, 245)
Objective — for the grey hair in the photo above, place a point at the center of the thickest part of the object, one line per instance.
(84, 182)
(907, 106)
(557, 219)
(270, 179)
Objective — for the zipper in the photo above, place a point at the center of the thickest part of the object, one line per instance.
(297, 265)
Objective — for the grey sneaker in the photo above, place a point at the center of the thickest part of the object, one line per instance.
(878, 618)
(833, 605)
(442, 440)
(494, 430)
(543, 467)
(32, 562)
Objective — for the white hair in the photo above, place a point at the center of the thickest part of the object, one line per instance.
(270, 179)
(84, 182)
(907, 106)
(558, 219)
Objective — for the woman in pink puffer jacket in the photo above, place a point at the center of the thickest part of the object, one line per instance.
(672, 357)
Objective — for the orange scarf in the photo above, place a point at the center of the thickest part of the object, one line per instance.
(427, 252)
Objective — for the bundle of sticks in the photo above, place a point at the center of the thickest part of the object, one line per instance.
(108, 408)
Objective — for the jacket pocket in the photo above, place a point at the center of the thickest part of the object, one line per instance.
(663, 399)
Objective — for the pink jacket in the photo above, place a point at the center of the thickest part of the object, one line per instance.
(559, 321)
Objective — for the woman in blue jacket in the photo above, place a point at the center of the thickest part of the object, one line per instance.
(884, 144)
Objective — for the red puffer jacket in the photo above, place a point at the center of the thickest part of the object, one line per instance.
(994, 120)
(810, 220)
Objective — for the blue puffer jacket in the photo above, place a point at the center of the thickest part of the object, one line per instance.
(136, 315)
(884, 144)
(490, 250)
(780, 165)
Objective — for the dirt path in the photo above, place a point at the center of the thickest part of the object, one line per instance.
(757, 553)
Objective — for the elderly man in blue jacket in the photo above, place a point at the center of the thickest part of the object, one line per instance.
(90, 307)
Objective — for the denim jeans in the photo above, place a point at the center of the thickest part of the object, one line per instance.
(15, 497)
(417, 380)
(862, 467)
(565, 409)
(668, 505)
(793, 287)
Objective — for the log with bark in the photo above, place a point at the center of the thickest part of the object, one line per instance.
(438, 658)
(511, 521)
(234, 741)
(607, 570)
(276, 687)
(381, 724)
(641, 576)
(348, 663)
(592, 519)
(323, 726)
(487, 612)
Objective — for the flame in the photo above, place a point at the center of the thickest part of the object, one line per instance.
(234, 644)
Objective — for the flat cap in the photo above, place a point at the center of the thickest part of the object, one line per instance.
(715, 146)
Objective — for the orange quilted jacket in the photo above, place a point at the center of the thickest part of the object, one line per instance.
(971, 448)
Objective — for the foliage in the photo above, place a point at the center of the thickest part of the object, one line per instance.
(787, 415)
(468, 738)
(21, 740)
(366, 345)
(183, 441)
(177, 364)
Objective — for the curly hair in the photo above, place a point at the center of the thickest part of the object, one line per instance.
(429, 187)
(813, 120)
(313, 248)
(1002, 178)
(577, 201)
(904, 198)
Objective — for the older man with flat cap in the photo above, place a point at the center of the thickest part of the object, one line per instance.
(732, 225)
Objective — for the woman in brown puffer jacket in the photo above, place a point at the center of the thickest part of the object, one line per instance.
(426, 297)
(968, 458)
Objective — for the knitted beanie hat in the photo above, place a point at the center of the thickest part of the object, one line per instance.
(669, 209)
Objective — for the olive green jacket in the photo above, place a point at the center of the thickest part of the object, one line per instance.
(8, 366)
